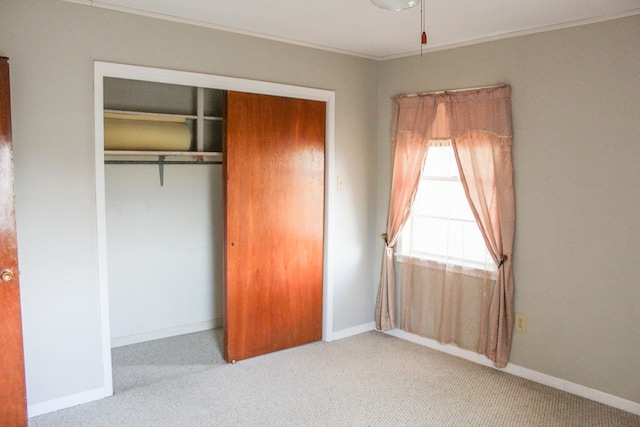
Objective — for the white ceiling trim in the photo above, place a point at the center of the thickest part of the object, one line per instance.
(426, 49)
(204, 24)
(508, 35)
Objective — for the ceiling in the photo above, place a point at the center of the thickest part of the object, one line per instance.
(357, 27)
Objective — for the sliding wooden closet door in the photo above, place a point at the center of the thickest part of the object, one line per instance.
(274, 223)
(13, 396)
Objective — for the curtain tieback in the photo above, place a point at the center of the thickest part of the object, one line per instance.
(503, 260)
(384, 237)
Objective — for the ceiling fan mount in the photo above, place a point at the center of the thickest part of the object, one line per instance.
(395, 5)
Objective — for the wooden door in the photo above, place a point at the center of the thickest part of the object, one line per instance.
(13, 400)
(274, 223)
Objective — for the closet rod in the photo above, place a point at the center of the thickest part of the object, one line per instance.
(161, 162)
(158, 162)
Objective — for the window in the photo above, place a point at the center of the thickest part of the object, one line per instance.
(441, 226)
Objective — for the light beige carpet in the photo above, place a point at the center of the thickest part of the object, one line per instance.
(367, 380)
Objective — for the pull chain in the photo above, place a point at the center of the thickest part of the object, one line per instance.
(423, 40)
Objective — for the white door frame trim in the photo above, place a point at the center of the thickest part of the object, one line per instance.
(107, 69)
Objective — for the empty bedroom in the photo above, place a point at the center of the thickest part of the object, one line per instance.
(373, 212)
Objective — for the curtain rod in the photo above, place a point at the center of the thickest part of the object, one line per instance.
(440, 92)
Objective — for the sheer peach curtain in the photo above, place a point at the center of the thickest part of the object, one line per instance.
(477, 315)
(411, 129)
(480, 123)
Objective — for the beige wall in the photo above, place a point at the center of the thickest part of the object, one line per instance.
(576, 117)
(52, 46)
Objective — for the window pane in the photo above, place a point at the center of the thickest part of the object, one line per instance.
(459, 204)
(440, 162)
(429, 236)
(441, 226)
(436, 198)
(442, 199)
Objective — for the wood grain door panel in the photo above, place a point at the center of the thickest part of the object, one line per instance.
(13, 401)
(274, 223)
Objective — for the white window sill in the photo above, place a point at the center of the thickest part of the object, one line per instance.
(439, 265)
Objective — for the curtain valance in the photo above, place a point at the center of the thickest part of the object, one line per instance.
(447, 115)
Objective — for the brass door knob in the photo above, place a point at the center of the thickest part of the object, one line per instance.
(6, 275)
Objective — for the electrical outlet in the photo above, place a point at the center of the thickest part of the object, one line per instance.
(521, 323)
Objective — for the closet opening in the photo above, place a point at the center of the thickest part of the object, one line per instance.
(160, 214)
(164, 212)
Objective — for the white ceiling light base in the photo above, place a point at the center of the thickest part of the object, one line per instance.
(395, 5)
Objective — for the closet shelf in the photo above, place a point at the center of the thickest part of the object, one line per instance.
(173, 115)
(145, 137)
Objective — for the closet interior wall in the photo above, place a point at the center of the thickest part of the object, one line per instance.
(164, 242)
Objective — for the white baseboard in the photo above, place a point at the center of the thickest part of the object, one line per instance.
(356, 330)
(65, 402)
(519, 371)
(165, 333)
